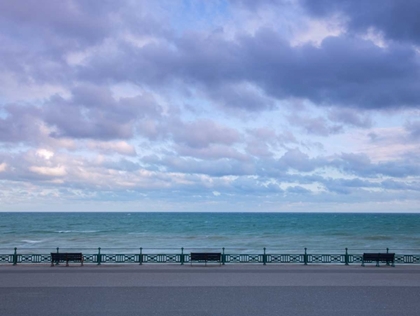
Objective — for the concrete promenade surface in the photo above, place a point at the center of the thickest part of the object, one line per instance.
(213, 290)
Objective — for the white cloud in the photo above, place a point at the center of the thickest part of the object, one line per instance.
(3, 167)
(44, 153)
(49, 171)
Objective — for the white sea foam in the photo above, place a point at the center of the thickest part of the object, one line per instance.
(77, 231)
(33, 241)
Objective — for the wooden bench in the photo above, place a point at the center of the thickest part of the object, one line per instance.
(66, 256)
(377, 257)
(205, 257)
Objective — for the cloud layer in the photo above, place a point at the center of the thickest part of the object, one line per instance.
(274, 105)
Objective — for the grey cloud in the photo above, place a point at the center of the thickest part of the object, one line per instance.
(123, 165)
(211, 152)
(93, 112)
(256, 4)
(202, 133)
(350, 117)
(81, 20)
(252, 186)
(297, 160)
(343, 71)
(240, 97)
(263, 142)
(298, 190)
(397, 20)
(394, 185)
(361, 165)
(346, 186)
(217, 168)
(21, 124)
(315, 126)
(414, 129)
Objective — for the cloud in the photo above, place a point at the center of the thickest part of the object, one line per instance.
(21, 124)
(49, 171)
(350, 117)
(92, 112)
(397, 20)
(256, 104)
(341, 72)
(413, 128)
(203, 133)
(120, 147)
(3, 167)
(315, 126)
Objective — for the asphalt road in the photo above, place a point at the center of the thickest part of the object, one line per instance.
(228, 290)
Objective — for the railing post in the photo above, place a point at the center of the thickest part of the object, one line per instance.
(15, 257)
(58, 261)
(223, 256)
(99, 256)
(141, 256)
(305, 258)
(346, 258)
(387, 251)
(182, 255)
(264, 258)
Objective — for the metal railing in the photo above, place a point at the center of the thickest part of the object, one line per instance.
(182, 255)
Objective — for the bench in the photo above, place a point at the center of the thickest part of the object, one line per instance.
(377, 257)
(206, 257)
(66, 256)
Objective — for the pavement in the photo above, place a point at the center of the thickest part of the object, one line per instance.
(209, 290)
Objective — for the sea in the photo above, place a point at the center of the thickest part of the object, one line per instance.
(236, 232)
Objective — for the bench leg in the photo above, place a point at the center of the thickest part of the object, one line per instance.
(377, 263)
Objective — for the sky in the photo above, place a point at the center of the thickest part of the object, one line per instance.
(222, 105)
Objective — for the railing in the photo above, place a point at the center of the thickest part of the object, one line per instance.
(182, 256)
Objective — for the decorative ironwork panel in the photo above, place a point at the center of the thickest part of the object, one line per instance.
(6, 258)
(255, 258)
(355, 259)
(161, 258)
(24, 258)
(243, 258)
(326, 259)
(119, 258)
(90, 258)
(32, 258)
(411, 259)
(284, 258)
(40, 258)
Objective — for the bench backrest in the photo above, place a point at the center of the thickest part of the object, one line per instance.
(206, 256)
(379, 256)
(66, 256)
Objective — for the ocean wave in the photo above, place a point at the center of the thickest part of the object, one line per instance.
(77, 231)
(29, 241)
(378, 237)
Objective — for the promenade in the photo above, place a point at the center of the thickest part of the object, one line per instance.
(213, 290)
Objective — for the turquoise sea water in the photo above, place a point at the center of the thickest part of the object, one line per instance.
(241, 231)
